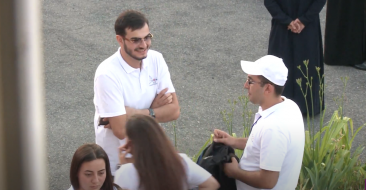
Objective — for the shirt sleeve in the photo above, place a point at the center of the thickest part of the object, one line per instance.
(164, 80)
(276, 12)
(273, 150)
(109, 97)
(127, 177)
(196, 175)
(313, 12)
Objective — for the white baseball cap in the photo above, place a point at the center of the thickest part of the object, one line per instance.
(268, 66)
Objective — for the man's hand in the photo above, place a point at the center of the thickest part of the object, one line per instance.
(108, 125)
(231, 169)
(223, 137)
(123, 151)
(162, 99)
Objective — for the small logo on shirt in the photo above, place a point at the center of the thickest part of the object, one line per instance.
(153, 81)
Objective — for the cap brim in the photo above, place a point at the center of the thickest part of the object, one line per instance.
(250, 68)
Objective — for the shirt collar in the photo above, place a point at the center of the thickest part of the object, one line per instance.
(272, 109)
(126, 66)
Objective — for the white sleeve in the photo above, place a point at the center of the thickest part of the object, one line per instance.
(273, 150)
(196, 175)
(127, 177)
(164, 80)
(109, 98)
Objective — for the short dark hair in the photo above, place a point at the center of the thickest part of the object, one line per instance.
(129, 19)
(87, 153)
(278, 89)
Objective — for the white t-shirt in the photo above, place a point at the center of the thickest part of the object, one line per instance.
(127, 176)
(71, 188)
(276, 143)
(117, 84)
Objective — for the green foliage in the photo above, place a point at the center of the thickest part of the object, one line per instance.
(227, 117)
(246, 115)
(328, 162)
(174, 124)
(209, 141)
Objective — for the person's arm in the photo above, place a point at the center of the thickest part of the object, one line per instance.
(165, 113)
(272, 154)
(240, 143)
(197, 176)
(209, 184)
(225, 138)
(110, 104)
(276, 12)
(262, 179)
(313, 12)
(117, 124)
(171, 111)
(168, 112)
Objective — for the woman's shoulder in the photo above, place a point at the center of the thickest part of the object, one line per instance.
(126, 168)
(186, 158)
(71, 188)
(127, 177)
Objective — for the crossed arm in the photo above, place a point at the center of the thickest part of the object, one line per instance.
(164, 112)
(165, 106)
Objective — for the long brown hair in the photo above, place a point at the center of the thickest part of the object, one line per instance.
(158, 164)
(87, 153)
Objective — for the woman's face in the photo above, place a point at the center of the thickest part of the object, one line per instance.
(92, 175)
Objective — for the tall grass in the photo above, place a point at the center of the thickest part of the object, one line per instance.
(328, 161)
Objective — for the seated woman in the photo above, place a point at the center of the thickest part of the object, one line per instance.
(155, 164)
(90, 169)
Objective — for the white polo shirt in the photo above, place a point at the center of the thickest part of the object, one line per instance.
(127, 176)
(276, 143)
(117, 84)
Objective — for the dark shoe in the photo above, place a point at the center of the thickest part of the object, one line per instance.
(361, 66)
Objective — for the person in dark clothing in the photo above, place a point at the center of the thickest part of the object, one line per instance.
(295, 37)
(345, 33)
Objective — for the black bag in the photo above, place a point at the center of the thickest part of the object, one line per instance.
(213, 159)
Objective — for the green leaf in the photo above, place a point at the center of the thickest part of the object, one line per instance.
(195, 157)
(350, 143)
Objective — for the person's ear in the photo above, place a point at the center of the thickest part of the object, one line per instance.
(119, 40)
(269, 88)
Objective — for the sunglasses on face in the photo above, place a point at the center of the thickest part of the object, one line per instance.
(138, 41)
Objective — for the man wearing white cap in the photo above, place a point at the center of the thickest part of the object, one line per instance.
(274, 150)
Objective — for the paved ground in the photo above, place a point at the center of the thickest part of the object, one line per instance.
(202, 42)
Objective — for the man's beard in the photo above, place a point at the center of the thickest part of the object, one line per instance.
(129, 52)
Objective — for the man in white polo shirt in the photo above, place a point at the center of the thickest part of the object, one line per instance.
(134, 80)
(274, 150)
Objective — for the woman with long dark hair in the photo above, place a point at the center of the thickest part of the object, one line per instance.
(155, 164)
(90, 169)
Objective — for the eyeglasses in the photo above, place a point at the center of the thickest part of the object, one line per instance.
(138, 41)
(250, 81)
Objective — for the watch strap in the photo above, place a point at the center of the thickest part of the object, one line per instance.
(151, 112)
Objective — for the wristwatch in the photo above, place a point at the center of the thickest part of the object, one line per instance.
(151, 112)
